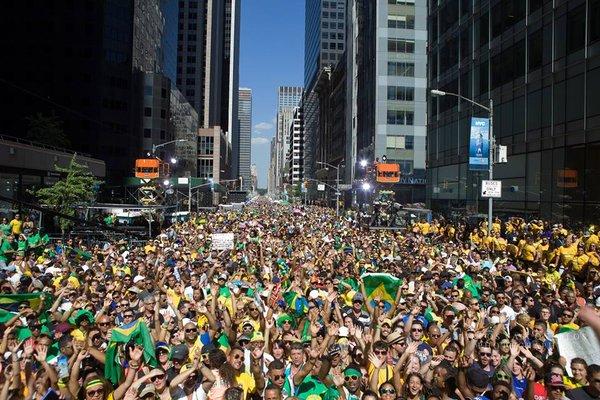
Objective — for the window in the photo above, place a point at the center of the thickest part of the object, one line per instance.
(401, 46)
(340, 46)
(340, 25)
(163, 93)
(147, 90)
(325, 24)
(396, 68)
(576, 29)
(147, 112)
(163, 114)
(325, 14)
(324, 45)
(535, 44)
(402, 2)
(192, 27)
(163, 134)
(401, 93)
(401, 21)
(147, 133)
(400, 117)
(409, 142)
(205, 145)
(594, 20)
(324, 35)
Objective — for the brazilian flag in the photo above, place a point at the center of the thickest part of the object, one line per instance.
(11, 301)
(136, 331)
(296, 303)
(381, 286)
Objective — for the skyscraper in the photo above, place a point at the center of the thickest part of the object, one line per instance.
(295, 155)
(245, 115)
(288, 98)
(208, 64)
(387, 83)
(324, 44)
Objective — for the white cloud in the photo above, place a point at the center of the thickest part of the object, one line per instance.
(263, 126)
(258, 140)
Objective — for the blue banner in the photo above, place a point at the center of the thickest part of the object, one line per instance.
(479, 146)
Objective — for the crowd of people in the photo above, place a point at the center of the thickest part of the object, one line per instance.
(303, 305)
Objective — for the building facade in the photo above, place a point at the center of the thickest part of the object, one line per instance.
(386, 91)
(295, 155)
(324, 44)
(183, 125)
(208, 64)
(288, 98)
(245, 116)
(539, 61)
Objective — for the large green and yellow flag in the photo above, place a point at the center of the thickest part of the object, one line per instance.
(381, 286)
(11, 301)
(136, 331)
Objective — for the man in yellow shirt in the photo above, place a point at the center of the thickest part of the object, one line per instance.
(16, 225)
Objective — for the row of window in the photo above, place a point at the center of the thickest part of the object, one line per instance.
(332, 46)
(401, 46)
(396, 68)
(148, 133)
(400, 93)
(402, 2)
(332, 35)
(148, 112)
(400, 117)
(400, 142)
(401, 21)
(332, 25)
(330, 4)
(333, 15)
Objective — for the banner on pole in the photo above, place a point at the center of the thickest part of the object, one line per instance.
(479, 144)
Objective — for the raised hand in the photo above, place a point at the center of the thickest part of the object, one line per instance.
(373, 359)
(41, 352)
(28, 347)
(412, 347)
(514, 349)
(136, 353)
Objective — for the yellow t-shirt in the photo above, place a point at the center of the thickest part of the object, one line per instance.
(567, 253)
(579, 262)
(385, 374)
(593, 239)
(16, 226)
(528, 252)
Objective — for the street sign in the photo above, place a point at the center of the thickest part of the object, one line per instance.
(491, 189)
(345, 186)
(182, 181)
(321, 187)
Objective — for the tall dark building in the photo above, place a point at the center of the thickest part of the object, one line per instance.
(72, 60)
(324, 44)
(208, 64)
(539, 60)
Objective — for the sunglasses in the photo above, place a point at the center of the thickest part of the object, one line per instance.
(417, 330)
(237, 356)
(157, 378)
(190, 330)
(485, 354)
(128, 316)
(353, 377)
(278, 377)
(104, 323)
(381, 352)
(93, 393)
(387, 391)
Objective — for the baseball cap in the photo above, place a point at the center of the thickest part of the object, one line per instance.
(180, 352)
(358, 297)
(138, 278)
(395, 337)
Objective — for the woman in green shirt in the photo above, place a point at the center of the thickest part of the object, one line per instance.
(5, 227)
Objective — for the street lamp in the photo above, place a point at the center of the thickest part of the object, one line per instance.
(337, 183)
(166, 182)
(363, 163)
(490, 110)
(366, 186)
(173, 160)
(158, 146)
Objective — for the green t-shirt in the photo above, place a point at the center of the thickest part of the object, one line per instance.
(5, 247)
(5, 228)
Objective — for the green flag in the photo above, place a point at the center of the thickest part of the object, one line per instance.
(136, 331)
(6, 316)
(381, 285)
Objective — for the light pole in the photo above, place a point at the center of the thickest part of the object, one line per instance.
(158, 146)
(492, 146)
(337, 183)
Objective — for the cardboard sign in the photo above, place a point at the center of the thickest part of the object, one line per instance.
(222, 241)
(582, 343)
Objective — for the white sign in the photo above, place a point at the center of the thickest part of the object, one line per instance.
(182, 181)
(582, 343)
(222, 241)
(345, 186)
(491, 189)
(321, 187)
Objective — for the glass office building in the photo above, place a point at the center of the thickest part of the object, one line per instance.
(539, 62)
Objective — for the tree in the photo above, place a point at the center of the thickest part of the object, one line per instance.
(47, 130)
(76, 187)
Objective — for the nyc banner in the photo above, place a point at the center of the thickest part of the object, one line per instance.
(479, 146)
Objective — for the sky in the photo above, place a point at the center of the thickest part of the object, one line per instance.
(271, 55)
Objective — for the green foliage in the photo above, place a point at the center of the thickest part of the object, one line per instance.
(76, 187)
(47, 130)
